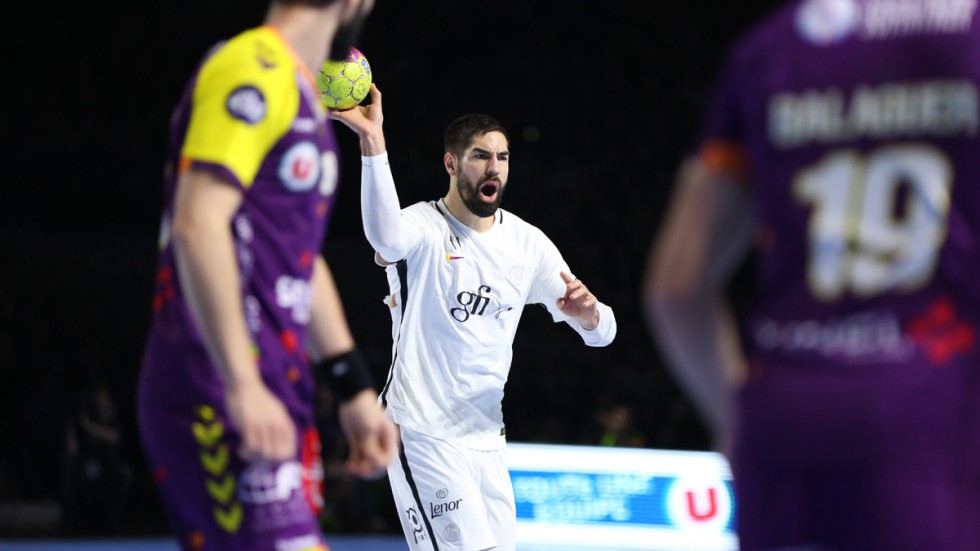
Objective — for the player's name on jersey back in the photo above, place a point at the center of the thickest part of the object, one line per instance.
(934, 108)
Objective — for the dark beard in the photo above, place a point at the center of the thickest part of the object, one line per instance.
(347, 35)
(470, 195)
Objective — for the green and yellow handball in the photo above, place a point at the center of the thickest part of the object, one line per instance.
(344, 84)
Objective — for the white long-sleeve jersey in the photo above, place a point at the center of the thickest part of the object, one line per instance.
(457, 296)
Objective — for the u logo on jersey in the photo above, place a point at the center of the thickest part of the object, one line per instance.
(299, 168)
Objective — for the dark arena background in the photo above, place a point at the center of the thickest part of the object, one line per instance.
(602, 101)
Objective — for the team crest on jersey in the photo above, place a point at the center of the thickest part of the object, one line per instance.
(246, 103)
(519, 273)
(825, 22)
(299, 168)
(451, 532)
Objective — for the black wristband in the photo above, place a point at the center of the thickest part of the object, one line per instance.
(346, 374)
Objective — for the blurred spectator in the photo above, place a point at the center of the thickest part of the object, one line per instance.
(97, 478)
(614, 427)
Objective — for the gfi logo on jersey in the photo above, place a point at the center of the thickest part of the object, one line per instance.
(477, 304)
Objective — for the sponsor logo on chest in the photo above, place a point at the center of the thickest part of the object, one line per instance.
(302, 167)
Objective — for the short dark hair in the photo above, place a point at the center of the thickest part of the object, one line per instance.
(464, 128)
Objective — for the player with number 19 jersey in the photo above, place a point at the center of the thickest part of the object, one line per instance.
(856, 127)
(251, 115)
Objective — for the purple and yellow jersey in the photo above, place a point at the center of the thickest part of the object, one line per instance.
(252, 116)
(855, 125)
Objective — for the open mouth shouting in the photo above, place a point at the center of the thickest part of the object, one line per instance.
(489, 190)
(481, 199)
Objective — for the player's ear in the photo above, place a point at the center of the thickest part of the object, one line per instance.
(449, 161)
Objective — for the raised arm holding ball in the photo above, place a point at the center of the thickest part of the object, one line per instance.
(460, 271)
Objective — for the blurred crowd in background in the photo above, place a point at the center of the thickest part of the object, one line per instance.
(602, 100)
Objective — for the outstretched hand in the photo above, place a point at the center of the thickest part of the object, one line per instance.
(366, 121)
(579, 303)
(370, 433)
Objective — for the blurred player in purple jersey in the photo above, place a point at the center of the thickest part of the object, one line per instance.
(841, 147)
(246, 309)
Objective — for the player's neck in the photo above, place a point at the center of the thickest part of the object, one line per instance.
(308, 30)
(459, 211)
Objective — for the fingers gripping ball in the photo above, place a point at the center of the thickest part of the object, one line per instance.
(344, 84)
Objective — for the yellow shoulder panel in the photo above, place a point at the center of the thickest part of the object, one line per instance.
(244, 101)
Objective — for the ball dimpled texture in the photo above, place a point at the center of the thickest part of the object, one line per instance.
(344, 84)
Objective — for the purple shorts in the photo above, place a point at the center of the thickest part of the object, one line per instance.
(217, 501)
(857, 462)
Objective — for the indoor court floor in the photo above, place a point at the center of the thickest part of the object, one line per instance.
(337, 543)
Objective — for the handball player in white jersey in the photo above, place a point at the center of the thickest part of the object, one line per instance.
(460, 270)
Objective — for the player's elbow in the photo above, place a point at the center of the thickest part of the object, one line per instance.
(391, 246)
(386, 251)
(183, 231)
(667, 281)
(668, 292)
(186, 231)
(192, 230)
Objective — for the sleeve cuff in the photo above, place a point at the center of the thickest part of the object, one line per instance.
(604, 333)
(375, 160)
